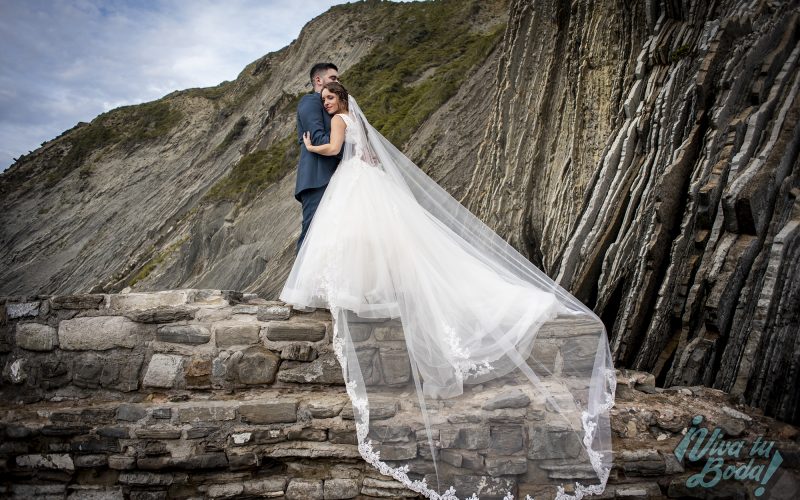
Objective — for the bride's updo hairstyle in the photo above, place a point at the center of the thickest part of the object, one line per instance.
(338, 89)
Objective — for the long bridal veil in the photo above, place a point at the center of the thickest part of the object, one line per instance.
(472, 374)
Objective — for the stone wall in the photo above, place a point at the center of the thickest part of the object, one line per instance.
(217, 394)
(191, 392)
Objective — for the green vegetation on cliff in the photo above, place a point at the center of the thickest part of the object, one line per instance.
(128, 126)
(234, 133)
(83, 142)
(429, 49)
(232, 95)
(147, 121)
(210, 93)
(145, 271)
(255, 171)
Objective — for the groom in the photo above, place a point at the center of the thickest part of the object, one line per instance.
(314, 170)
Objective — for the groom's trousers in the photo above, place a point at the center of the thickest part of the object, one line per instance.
(310, 199)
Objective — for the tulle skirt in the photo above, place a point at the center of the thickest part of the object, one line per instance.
(421, 325)
(369, 239)
(372, 249)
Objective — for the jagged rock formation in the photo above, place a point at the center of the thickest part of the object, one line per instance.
(643, 153)
(218, 394)
(646, 155)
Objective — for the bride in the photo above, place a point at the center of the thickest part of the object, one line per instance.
(472, 374)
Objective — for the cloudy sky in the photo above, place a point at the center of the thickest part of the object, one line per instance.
(68, 61)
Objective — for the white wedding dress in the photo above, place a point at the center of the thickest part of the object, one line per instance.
(472, 374)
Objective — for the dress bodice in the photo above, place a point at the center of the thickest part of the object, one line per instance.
(355, 143)
(350, 137)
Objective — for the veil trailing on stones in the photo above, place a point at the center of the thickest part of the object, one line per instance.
(472, 374)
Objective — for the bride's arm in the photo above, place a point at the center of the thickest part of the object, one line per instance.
(337, 139)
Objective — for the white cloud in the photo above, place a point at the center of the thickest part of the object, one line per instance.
(65, 62)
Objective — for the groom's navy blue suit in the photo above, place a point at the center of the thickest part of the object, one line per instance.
(314, 170)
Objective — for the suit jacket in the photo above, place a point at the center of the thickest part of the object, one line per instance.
(313, 170)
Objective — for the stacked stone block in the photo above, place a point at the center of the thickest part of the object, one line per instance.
(176, 394)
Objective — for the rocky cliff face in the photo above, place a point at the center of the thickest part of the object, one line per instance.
(644, 154)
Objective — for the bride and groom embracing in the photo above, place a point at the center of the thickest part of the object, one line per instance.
(471, 373)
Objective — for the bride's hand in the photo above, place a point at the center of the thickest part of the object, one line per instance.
(307, 140)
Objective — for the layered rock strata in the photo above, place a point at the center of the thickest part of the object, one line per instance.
(646, 155)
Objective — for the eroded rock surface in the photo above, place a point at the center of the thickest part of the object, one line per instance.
(646, 156)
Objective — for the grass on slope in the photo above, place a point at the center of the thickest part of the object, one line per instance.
(128, 126)
(429, 51)
(255, 171)
(155, 261)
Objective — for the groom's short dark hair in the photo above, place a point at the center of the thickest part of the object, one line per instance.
(319, 68)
